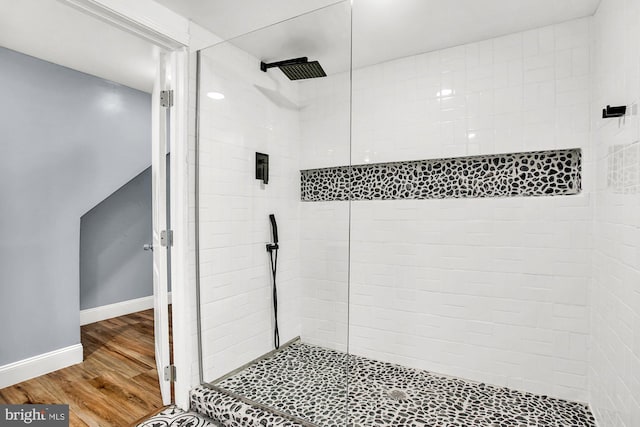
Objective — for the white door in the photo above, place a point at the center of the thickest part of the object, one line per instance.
(161, 237)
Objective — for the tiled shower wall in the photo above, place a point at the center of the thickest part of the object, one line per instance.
(324, 232)
(237, 319)
(488, 289)
(614, 373)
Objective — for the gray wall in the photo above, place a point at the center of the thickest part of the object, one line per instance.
(113, 266)
(68, 140)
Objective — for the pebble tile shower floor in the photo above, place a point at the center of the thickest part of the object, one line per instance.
(310, 383)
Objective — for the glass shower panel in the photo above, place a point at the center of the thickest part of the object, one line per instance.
(262, 139)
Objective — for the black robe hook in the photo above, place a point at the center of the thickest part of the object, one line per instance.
(614, 111)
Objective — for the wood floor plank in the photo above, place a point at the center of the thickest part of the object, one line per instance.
(129, 345)
(112, 358)
(92, 406)
(116, 384)
(148, 381)
(78, 412)
(120, 391)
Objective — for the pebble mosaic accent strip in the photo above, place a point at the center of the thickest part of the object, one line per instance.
(541, 173)
(310, 383)
(176, 417)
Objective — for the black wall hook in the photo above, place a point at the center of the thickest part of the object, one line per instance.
(614, 111)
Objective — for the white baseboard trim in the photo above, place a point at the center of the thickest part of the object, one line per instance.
(110, 311)
(25, 369)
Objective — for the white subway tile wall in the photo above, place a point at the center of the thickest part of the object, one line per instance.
(324, 270)
(237, 313)
(614, 370)
(493, 289)
(522, 92)
(515, 292)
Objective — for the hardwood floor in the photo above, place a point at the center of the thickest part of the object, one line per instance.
(116, 385)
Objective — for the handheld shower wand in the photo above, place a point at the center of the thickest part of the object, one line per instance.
(272, 248)
(274, 233)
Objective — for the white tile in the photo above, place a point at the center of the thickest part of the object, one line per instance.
(507, 47)
(614, 305)
(454, 283)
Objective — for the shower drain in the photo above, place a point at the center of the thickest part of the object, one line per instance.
(397, 395)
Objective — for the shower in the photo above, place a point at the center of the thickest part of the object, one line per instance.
(297, 68)
(438, 211)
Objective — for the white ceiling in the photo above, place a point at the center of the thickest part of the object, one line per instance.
(231, 18)
(55, 32)
(386, 29)
(382, 29)
(322, 35)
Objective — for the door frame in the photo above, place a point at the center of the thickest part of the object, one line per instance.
(170, 33)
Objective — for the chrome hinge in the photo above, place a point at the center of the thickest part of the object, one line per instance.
(166, 238)
(170, 373)
(166, 98)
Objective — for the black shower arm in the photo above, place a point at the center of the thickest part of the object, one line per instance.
(264, 67)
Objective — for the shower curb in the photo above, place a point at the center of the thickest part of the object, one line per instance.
(230, 411)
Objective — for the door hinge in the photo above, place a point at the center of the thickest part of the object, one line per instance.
(170, 373)
(166, 238)
(166, 98)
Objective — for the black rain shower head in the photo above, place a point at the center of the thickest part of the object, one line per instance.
(297, 68)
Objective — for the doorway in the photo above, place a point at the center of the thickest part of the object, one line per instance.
(88, 182)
